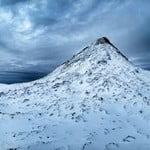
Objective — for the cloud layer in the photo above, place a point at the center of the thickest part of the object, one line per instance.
(40, 34)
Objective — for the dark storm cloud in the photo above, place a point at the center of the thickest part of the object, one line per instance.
(139, 44)
(41, 34)
(11, 2)
(142, 37)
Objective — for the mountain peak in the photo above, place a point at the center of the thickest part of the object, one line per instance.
(102, 40)
(105, 40)
(102, 50)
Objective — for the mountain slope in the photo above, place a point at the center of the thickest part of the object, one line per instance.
(96, 100)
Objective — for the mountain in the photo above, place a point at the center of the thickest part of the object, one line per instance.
(97, 100)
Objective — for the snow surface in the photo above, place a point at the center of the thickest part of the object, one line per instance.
(97, 100)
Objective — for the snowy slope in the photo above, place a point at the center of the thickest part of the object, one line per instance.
(97, 100)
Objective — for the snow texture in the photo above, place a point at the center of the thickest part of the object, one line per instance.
(97, 100)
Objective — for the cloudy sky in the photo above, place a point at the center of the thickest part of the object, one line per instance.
(38, 35)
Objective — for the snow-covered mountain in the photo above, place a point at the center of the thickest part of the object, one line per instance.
(97, 100)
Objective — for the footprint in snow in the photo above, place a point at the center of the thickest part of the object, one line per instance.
(129, 138)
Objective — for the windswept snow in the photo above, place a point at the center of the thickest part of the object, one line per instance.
(97, 100)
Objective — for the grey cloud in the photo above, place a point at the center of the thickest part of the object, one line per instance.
(11, 2)
(44, 33)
